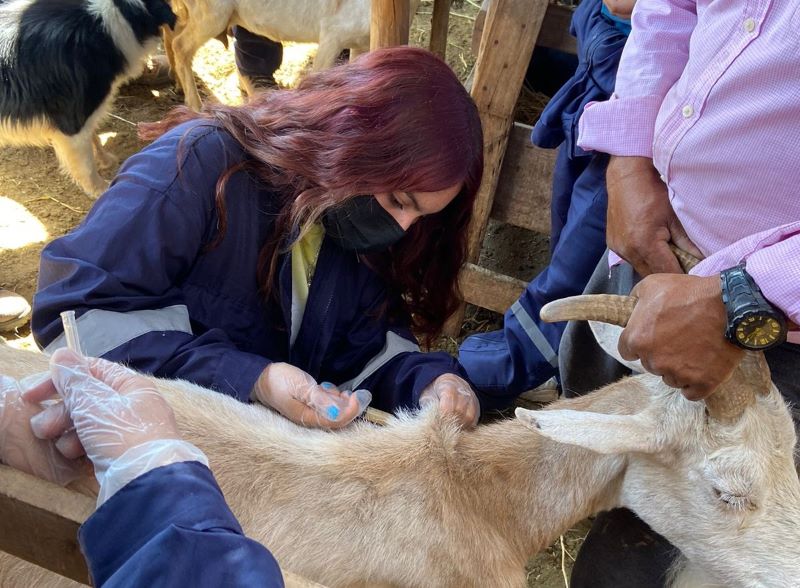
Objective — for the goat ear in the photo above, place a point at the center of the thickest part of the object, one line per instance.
(607, 337)
(604, 433)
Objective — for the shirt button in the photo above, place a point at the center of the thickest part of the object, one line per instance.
(749, 25)
(687, 111)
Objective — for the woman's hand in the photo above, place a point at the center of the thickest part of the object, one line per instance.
(107, 409)
(454, 396)
(298, 397)
(20, 449)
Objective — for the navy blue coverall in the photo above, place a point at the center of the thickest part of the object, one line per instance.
(144, 536)
(148, 291)
(503, 364)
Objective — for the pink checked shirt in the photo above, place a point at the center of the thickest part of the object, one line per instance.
(710, 89)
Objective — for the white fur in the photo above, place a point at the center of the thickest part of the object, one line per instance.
(422, 503)
(334, 24)
(10, 14)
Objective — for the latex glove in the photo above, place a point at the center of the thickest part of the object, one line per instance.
(111, 407)
(119, 419)
(454, 396)
(298, 397)
(20, 449)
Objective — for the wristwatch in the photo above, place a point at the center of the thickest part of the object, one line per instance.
(753, 323)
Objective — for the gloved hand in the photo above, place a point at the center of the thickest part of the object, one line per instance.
(298, 397)
(120, 420)
(20, 449)
(454, 396)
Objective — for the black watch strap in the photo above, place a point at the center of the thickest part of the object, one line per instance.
(753, 323)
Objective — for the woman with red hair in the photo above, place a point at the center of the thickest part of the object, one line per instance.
(258, 250)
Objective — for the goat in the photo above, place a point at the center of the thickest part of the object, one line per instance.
(422, 503)
(61, 64)
(334, 24)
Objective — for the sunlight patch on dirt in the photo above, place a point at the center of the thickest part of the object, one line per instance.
(216, 67)
(18, 226)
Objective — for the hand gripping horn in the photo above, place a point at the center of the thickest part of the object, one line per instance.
(727, 402)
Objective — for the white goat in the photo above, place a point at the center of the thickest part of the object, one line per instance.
(422, 503)
(334, 24)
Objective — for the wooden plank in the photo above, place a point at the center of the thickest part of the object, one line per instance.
(511, 29)
(389, 23)
(39, 523)
(555, 30)
(488, 289)
(439, 26)
(554, 33)
(524, 188)
(477, 28)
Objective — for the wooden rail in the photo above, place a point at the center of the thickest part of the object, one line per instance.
(39, 523)
(439, 26)
(510, 30)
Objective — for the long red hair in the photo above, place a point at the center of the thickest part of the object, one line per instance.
(395, 119)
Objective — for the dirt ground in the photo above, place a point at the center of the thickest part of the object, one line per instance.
(38, 203)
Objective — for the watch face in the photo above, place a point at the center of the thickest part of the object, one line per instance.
(757, 332)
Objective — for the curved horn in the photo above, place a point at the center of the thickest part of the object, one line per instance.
(686, 259)
(750, 377)
(606, 308)
(729, 400)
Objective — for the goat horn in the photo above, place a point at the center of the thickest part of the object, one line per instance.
(729, 400)
(750, 377)
(685, 259)
(606, 308)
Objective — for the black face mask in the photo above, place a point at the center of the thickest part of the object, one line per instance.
(362, 225)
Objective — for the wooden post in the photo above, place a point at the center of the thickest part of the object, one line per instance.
(389, 23)
(439, 26)
(509, 35)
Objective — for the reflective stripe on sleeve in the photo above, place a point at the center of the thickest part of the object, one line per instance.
(534, 334)
(100, 331)
(395, 345)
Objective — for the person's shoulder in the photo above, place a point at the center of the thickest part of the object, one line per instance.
(195, 153)
(204, 138)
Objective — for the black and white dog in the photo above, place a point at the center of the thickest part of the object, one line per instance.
(61, 63)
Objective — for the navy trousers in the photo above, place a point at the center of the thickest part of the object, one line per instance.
(256, 56)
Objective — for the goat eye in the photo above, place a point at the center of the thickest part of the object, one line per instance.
(733, 501)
